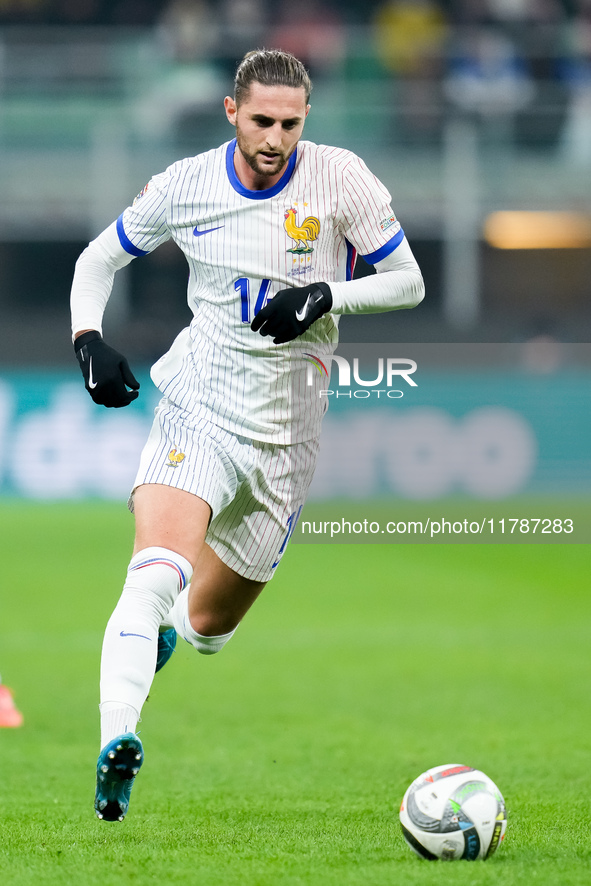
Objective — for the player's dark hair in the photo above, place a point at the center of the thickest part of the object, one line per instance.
(270, 67)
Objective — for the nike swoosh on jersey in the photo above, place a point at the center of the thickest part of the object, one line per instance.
(199, 233)
(301, 315)
(123, 634)
(91, 381)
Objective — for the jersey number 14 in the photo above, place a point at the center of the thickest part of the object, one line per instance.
(242, 285)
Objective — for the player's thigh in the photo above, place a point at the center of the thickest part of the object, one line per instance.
(171, 518)
(219, 597)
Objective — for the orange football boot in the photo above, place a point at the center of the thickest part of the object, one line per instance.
(10, 716)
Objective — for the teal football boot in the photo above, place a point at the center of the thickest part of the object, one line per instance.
(118, 764)
(166, 645)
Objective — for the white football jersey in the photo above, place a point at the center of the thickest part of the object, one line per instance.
(242, 247)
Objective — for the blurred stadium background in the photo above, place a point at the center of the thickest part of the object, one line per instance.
(475, 113)
(361, 667)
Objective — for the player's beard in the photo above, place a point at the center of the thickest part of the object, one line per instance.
(253, 161)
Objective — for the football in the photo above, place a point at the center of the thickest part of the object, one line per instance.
(453, 812)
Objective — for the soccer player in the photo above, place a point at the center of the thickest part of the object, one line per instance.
(270, 226)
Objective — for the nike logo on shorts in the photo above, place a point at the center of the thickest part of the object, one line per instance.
(91, 381)
(199, 233)
(123, 634)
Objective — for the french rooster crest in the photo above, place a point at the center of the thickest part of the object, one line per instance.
(303, 234)
(175, 458)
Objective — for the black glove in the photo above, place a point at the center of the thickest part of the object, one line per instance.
(292, 311)
(106, 372)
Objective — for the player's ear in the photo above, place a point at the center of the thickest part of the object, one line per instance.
(308, 109)
(231, 108)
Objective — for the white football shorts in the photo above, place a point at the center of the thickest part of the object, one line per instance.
(256, 490)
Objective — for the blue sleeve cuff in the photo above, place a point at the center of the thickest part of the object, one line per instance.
(373, 258)
(125, 241)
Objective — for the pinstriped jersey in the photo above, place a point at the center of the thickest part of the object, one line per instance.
(242, 247)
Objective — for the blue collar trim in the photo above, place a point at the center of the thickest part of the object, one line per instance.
(266, 192)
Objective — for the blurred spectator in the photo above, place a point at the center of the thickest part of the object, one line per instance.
(509, 10)
(190, 29)
(410, 40)
(186, 83)
(487, 75)
(244, 24)
(532, 26)
(311, 30)
(410, 37)
(522, 13)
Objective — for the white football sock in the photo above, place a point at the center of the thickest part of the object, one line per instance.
(180, 619)
(128, 662)
(116, 719)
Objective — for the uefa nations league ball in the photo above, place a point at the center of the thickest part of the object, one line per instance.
(451, 812)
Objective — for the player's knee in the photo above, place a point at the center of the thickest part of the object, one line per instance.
(208, 633)
(159, 572)
(211, 624)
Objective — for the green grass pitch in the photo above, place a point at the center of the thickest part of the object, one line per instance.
(283, 759)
